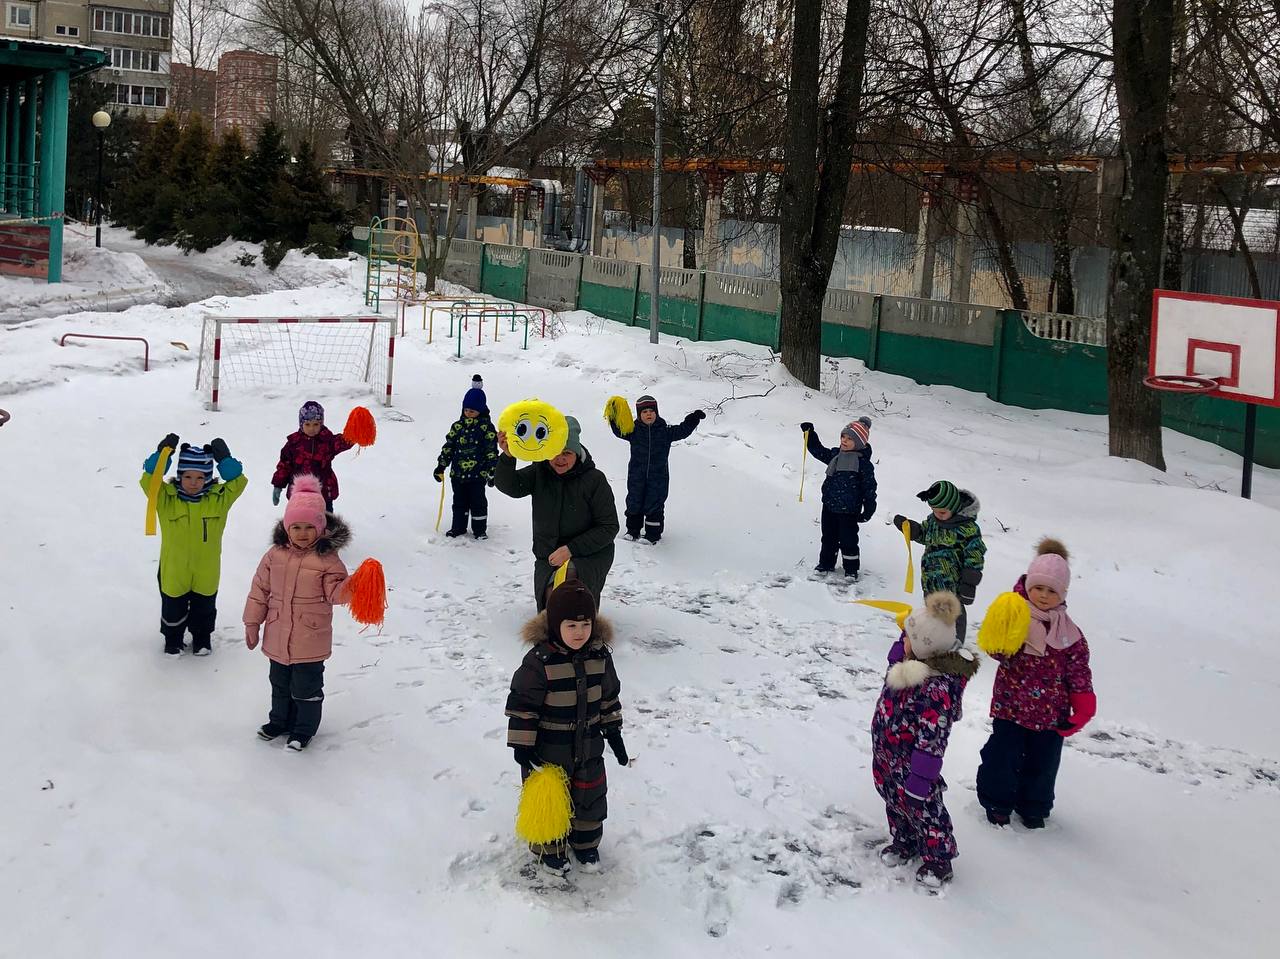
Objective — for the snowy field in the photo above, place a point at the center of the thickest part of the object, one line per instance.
(143, 818)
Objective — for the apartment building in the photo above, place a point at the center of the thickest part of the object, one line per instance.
(192, 91)
(247, 86)
(46, 20)
(137, 37)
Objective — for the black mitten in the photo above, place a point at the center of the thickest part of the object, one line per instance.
(619, 748)
(698, 415)
(170, 441)
(217, 448)
(526, 756)
(806, 427)
(968, 588)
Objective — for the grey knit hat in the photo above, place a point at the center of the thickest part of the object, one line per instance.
(574, 443)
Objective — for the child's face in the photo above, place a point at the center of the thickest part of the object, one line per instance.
(192, 482)
(312, 427)
(574, 633)
(470, 414)
(846, 444)
(648, 417)
(1044, 598)
(942, 514)
(303, 535)
(564, 462)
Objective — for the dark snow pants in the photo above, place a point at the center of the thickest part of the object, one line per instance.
(469, 497)
(1018, 770)
(297, 693)
(190, 611)
(588, 789)
(651, 523)
(839, 531)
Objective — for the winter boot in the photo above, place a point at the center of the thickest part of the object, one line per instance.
(997, 818)
(897, 854)
(554, 865)
(588, 859)
(269, 731)
(824, 569)
(934, 874)
(298, 743)
(454, 533)
(201, 645)
(1032, 822)
(173, 649)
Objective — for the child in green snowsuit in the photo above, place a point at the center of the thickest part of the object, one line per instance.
(954, 550)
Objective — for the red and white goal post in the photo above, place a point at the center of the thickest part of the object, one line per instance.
(242, 351)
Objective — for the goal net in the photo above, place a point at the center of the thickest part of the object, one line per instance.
(248, 352)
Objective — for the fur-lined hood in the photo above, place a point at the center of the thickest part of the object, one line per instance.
(916, 672)
(535, 631)
(336, 535)
(967, 510)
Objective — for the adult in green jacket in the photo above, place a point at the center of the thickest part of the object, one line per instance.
(575, 520)
(192, 512)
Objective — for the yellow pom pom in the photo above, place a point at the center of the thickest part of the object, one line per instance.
(1004, 627)
(367, 592)
(535, 430)
(618, 412)
(545, 806)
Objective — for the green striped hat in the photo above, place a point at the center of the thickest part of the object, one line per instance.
(941, 495)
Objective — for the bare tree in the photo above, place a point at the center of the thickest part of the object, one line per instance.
(200, 32)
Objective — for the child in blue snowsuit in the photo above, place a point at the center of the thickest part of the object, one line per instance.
(648, 479)
(470, 453)
(848, 494)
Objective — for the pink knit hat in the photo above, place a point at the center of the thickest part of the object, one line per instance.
(1050, 567)
(306, 505)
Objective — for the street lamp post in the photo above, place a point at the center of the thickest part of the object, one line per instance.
(101, 120)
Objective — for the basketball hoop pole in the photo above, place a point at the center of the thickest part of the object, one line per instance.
(1250, 433)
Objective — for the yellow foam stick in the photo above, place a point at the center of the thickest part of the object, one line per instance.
(440, 511)
(618, 412)
(804, 456)
(911, 563)
(900, 610)
(562, 573)
(153, 488)
(546, 808)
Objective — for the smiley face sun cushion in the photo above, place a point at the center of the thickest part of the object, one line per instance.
(536, 431)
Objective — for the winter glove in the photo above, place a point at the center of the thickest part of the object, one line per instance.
(170, 441)
(1083, 707)
(968, 588)
(275, 495)
(619, 748)
(698, 415)
(526, 756)
(868, 511)
(925, 770)
(439, 476)
(229, 468)
(806, 427)
(897, 652)
(916, 531)
(251, 635)
(217, 449)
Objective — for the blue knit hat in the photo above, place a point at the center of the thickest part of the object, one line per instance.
(311, 410)
(195, 459)
(475, 400)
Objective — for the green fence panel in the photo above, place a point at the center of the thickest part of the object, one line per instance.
(679, 301)
(937, 342)
(847, 316)
(609, 288)
(740, 308)
(505, 271)
(1041, 373)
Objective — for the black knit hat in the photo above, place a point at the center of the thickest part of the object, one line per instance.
(571, 600)
(646, 402)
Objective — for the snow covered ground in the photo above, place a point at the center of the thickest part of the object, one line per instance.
(144, 819)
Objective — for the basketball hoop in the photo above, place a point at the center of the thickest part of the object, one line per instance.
(1181, 383)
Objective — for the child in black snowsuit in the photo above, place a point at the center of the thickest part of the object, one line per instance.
(848, 494)
(648, 478)
(562, 708)
(471, 449)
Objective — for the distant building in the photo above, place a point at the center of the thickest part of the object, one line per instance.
(247, 84)
(193, 91)
(137, 37)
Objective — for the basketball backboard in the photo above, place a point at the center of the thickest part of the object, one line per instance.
(1232, 340)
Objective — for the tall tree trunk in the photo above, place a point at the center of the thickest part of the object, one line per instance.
(817, 150)
(1142, 35)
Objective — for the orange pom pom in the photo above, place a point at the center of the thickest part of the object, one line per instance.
(361, 428)
(367, 592)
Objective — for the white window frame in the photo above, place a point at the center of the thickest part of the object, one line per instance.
(63, 30)
(131, 23)
(16, 8)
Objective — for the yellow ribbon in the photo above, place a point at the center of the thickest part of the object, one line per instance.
(562, 573)
(899, 610)
(911, 566)
(153, 488)
(440, 511)
(804, 455)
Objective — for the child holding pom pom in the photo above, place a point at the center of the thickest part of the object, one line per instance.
(1043, 690)
(311, 451)
(294, 590)
(562, 709)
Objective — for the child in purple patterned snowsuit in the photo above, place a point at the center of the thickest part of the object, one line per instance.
(918, 706)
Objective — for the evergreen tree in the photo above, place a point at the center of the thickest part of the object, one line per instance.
(134, 206)
(264, 175)
(315, 220)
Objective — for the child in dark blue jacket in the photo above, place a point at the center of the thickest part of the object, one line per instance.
(470, 453)
(848, 493)
(648, 478)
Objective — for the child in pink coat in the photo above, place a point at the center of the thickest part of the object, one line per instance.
(1043, 693)
(297, 583)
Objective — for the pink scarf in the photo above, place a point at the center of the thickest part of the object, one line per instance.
(1051, 628)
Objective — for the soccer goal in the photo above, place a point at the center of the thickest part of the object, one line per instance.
(247, 352)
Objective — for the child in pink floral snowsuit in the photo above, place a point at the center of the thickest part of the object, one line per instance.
(918, 706)
(1043, 693)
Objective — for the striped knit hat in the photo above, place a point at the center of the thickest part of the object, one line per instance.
(941, 495)
(646, 403)
(195, 459)
(859, 432)
(311, 411)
